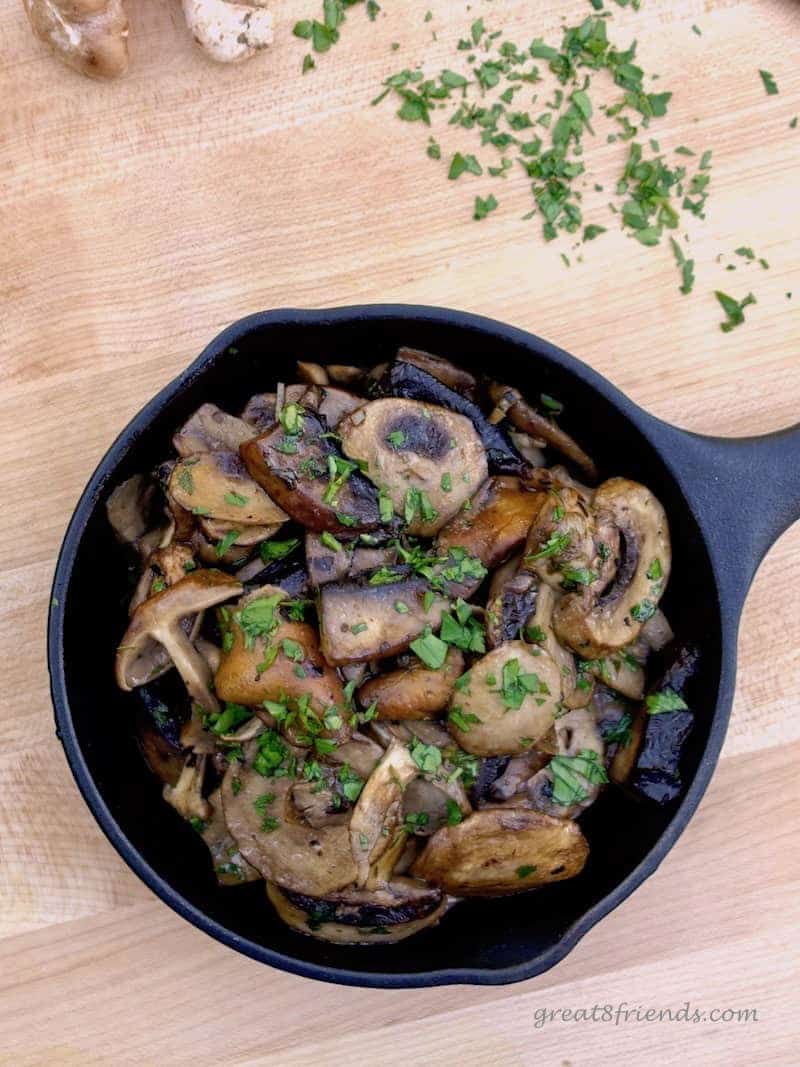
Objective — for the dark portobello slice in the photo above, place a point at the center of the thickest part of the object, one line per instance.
(304, 472)
(408, 380)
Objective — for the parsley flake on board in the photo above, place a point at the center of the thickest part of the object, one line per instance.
(734, 309)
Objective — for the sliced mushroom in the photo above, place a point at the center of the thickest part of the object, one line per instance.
(657, 632)
(360, 753)
(269, 657)
(510, 702)
(502, 851)
(312, 373)
(211, 430)
(378, 813)
(510, 606)
(496, 522)
(577, 734)
(429, 732)
(409, 381)
(594, 622)
(326, 563)
(159, 619)
(413, 691)
(576, 688)
(230, 866)
(567, 545)
(425, 459)
(245, 536)
(273, 838)
(439, 802)
(622, 672)
(186, 796)
(362, 917)
(129, 508)
(216, 484)
(364, 620)
(306, 474)
(530, 421)
(345, 374)
(517, 773)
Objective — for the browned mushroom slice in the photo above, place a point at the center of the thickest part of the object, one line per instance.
(267, 657)
(571, 781)
(496, 522)
(430, 803)
(426, 460)
(413, 691)
(618, 670)
(217, 484)
(366, 619)
(408, 381)
(442, 369)
(303, 470)
(269, 831)
(361, 754)
(576, 686)
(211, 430)
(129, 508)
(530, 421)
(241, 534)
(223, 552)
(595, 622)
(312, 373)
(378, 813)
(501, 851)
(186, 796)
(327, 560)
(362, 917)
(230, 866)
(345, 374)
(510, 701)
(511, 604)
(159, 619)
(567, 546)
(261, 410)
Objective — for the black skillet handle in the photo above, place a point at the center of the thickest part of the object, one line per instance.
(744, 491)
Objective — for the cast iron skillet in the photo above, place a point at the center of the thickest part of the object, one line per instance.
(727, 500)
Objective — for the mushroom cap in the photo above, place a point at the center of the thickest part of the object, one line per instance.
(362, 917)
(410, 447)
(217, 484)
(594, 622)
(272, 837)
(496, 523)
(503, 729)
(378, 812)
(500, 851)
(413, 692)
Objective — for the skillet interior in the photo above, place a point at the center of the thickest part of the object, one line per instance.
(480, 937)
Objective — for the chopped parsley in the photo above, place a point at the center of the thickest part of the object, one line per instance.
(770, 85)
(525, 871)
(430, 649)
(572, 775)
(329, 541)
(516, 686)
(427, 757)
(734, 309)
(274, 550)
(553, 546)
(235, 499)
(227, 542)
(665, 700)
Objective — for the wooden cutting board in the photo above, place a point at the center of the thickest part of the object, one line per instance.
(140, 217)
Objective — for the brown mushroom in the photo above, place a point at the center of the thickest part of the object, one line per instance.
(129, 508)
(216, 484)
(267, 657)
(577, 735)
(567, 546)
(240, 534)
(427, 461)
(158, 620)
(496, 522)
(378, 813)
(442, 369)
(230, 866)
(300, 466)
(501, 851)
(270, 832)
(530, 421)
(413, 691)
(594, 622)
(365, 618)
(211, 430)
(362, 917)
(186, 796)
(509, 703)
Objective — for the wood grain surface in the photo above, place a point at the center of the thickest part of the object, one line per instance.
(136, 219)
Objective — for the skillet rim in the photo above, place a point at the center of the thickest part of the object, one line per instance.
(658, 433)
